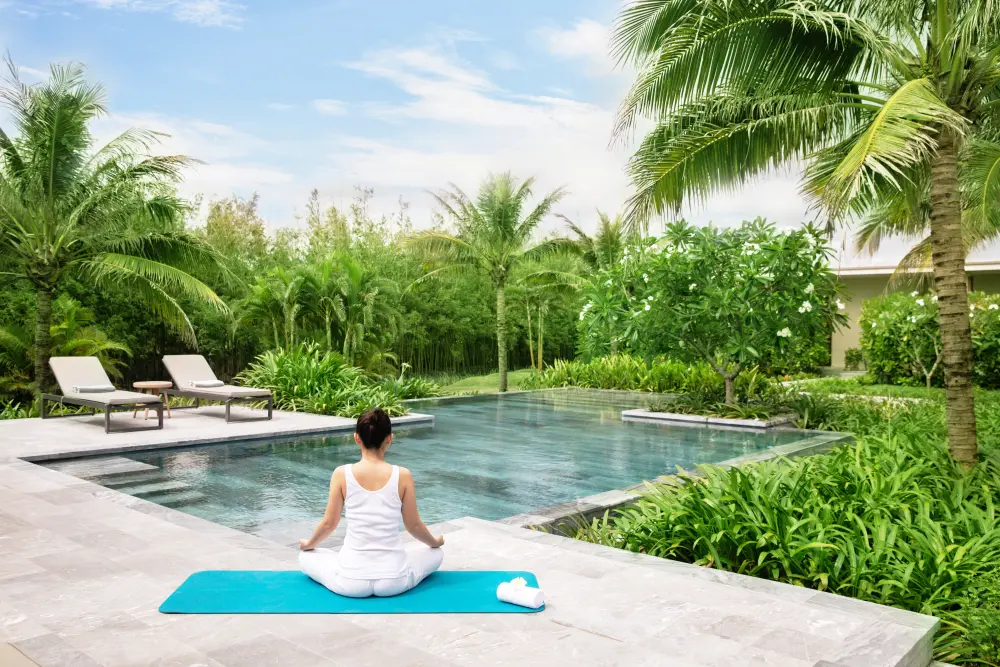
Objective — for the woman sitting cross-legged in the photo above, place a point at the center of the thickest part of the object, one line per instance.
(375, 495)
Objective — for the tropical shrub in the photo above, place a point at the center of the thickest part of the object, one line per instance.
(627, 372)
(309, 379)
(891, 519)
(985, 321)
(901, 340)
(733, 298)
(853, 359)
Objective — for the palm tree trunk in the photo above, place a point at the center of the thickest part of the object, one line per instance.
(329, 332)
(948, 257)
(541, 338)
(501, 337)
(531, 342)
(43, 337)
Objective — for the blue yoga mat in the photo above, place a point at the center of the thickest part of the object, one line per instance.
(291, 592)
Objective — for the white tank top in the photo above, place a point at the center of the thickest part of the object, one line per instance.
(373, 548)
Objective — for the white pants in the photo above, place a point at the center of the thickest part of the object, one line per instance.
(322, 567)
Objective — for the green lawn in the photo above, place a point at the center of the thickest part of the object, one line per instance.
(485, 384)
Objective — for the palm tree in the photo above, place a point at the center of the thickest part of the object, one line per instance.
(893, 105)
(606, 246)
(278, 300)
(72, 333)
(493, 236)
(326, 292)
(109, 217)
(369, 306)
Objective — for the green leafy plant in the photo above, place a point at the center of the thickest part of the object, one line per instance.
(891, 519)
(310, 379)
(627, 372)
(854, 359)
(732, 299)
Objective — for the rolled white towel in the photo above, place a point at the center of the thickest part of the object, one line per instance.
(206, 384)
(92, 388)
(522, 596)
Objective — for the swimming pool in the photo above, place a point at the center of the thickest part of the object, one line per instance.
(486, 456)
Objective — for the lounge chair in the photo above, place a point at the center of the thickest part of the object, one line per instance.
(84, 382)
(194, 378)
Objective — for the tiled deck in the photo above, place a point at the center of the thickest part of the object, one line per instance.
(84, 568)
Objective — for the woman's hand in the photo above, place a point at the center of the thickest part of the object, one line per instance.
(306, 545)
(440, 542)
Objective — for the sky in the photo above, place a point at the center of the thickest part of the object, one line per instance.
(403, 97)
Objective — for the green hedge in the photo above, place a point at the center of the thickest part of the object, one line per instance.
(900, 339)
(623, 371)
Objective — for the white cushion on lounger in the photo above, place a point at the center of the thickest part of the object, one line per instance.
(92, 388)
(206, 384)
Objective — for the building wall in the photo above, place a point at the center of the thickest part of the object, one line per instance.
(856, 289)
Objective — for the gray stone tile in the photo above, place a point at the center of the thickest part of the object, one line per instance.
(111, 541)
(77, 565)
(268, 650)
(52, 650)
(112, 647)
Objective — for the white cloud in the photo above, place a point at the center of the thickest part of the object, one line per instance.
(458, 125)
(587, 40)
(209, 13)
(280, 106)
(330, 107)
(232, 161)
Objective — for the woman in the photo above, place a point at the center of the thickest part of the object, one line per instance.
(375, 495)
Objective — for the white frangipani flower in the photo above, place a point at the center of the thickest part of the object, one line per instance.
(841, 305)
(645, 278)
(934, 298)
(649, 298)
(914, 294)
(692, 286)
(994, 306)
(646, 307)
(810, 289)
(920, 302)
(806, 307)
(785, 333)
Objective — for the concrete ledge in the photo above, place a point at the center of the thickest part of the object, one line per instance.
(651, 416)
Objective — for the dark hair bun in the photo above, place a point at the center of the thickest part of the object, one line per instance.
(373, 428)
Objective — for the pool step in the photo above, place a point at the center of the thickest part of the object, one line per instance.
(93, 468)
(154, 488)
(177, 498)
(133, 479)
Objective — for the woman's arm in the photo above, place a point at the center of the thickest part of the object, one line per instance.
(411, 517)
(334, 506)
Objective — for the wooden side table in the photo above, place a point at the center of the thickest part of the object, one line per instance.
(154, 387)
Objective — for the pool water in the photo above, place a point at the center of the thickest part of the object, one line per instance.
(488, 457)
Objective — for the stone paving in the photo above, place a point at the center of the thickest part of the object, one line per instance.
(84, 568)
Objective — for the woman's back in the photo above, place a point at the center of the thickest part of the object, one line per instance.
(373, 547)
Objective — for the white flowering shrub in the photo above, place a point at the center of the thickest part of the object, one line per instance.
(733, 298)
(901, 339)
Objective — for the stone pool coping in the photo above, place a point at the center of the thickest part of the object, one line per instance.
(570, 514)
(674, 417)
(78, 436)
